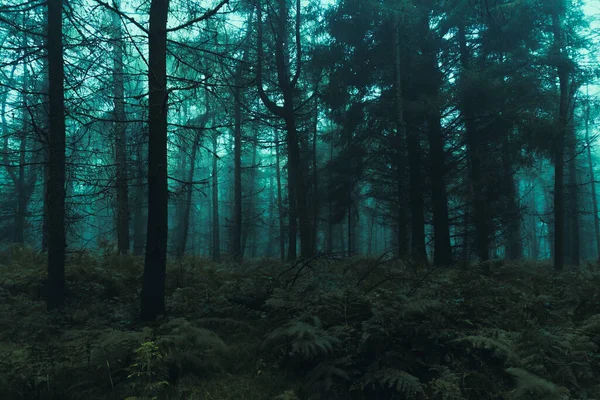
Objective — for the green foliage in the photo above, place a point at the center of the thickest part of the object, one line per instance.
(402, 382)
(306, 339)
(532, 386)
(147, 375)
(496, 348)
(191, 348)
(503, 330)
(446, 386)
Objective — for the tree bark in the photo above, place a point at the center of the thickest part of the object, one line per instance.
(189, 191)
(513, 215)
(55, 195)
(120, 131)
(559, 147)
(153, 289)
(592, 179)
(216, 237)
(247, 229)
(236, 250)
(139, 226)
(475, 157)
(418, 251)
(315, 175)
(442, 250)
(279, 199)
(573, 222)
(402, 206)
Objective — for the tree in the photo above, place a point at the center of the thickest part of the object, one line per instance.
(236, 250)
(430, 44)
(55, 194)
(287, 84)
(120, 142)
(562, 68)
(153, 288)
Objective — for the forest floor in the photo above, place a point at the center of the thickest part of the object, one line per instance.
(326, 328)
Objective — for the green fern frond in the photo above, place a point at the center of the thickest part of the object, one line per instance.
(447, 385)
(497, 348)
(404, 383)
(531, 384)
(190, 346)
(287, 395)
(420, 307)
(307, 340)
(592, 325)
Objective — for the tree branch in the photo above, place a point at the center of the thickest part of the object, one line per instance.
(298, 46)
(271, 105)
(122, 14)
(203, 17)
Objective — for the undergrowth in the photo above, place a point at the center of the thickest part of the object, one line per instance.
(318, 329)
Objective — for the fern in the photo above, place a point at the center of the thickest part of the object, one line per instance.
(305, 339)
(189, 346)
(531, 384)
(497, 348)
(402, 382)
(323, 377)
(148, 374)
(115, 348)
(447, 385)
(592, 326)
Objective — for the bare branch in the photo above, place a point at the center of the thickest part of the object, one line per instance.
(122, 15)
(203, 17)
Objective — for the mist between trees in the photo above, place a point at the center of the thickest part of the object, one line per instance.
(441, 132)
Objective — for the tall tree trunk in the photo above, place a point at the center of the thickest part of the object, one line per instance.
(269, 249)
(187, 206)
(340, 229)
(298, 205)
(19, 230)
(216, 234)
(350, 227)
(153, 289)
(372, 227)
(20, 182)
(248, 229)
(330, 219)
(236, 250)
(442, 250)
(120, 142)
(513, 214)
(292, 203)
(573, 198)
(139, 226)
(315, 176)
(21, 192)
(402, 206)
(592, 178)
(45, 209)
(559, 147)
(475, 156)
(418, 251)
(55, 196)
(534, 251)
(279, 199)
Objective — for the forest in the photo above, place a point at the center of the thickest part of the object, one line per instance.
(299, 199)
